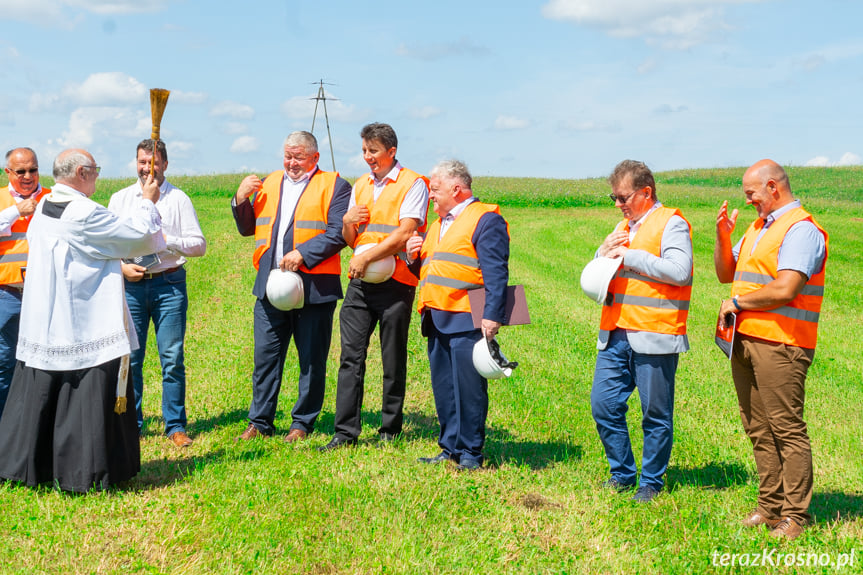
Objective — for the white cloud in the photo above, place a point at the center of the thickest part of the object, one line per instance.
(180, 97)
(107, 88)
(245, 145)
(677, 24)
(424, 113)
(96, 123)
(233, 110)
(67, 13)
(234, 128)
(847, 159)
(460, 48)
(43, 102)
(303, 108)
(510, 123)
(667, 109)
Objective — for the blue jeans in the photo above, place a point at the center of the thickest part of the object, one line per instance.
(162, 299)
(10, 313)
(619, 370)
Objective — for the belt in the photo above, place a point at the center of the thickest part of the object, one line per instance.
(12, 289)
(149, 276)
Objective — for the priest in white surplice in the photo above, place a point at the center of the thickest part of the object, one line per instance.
(70, 416)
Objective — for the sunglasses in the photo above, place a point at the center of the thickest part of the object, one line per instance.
(24, 171)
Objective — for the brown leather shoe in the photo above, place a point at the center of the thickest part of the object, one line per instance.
(756, 518)
(787, 528)
(251, 433)
(180, 439)
(295, 435)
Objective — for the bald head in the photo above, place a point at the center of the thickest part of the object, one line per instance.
(22, 169)
(766, 186)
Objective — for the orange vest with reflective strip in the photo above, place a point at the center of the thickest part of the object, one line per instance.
(310, 216)
(795, 323)
(646, 304)
(450, 266)
(14, 248)
(384, 215)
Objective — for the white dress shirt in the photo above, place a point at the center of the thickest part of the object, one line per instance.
(11, 214)
(416, 202)
(74, 313)
(183, 235)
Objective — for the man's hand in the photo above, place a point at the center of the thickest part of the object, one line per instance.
(413, 245)
(27, 207)
(615, 244)
(358, 264)
(251, 184)
(489, 328)
(356, 215)
(292, 261)
(725, 223)
(151, 189)
(133, 272)
(725, 310)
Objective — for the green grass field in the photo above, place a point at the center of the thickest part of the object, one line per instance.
(269, 507)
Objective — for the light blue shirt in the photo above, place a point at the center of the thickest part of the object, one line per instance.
(803, 249)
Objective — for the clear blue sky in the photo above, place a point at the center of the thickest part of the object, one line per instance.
(556, 88)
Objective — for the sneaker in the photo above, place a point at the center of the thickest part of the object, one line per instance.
(645, 494)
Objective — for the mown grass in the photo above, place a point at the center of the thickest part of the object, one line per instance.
(269, 507)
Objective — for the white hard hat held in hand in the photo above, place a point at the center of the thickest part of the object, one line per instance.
(285, 290)
(596, 276)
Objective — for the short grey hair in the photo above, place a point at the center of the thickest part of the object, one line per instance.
(453, 169)
(302, 138)
(67, 163)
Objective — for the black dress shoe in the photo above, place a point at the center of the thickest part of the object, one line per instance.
(441, 457)
(467, 464)
(337, 443)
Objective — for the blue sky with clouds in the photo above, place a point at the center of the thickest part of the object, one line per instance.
(555, 88)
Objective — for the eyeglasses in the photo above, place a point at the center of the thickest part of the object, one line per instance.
(22, 172)
(616, 199)
(97, 168)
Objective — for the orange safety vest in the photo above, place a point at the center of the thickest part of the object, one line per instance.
(384, 215)
(14, 248)
(310, 216)
(795, 323)
(642, 303)
(450, 266)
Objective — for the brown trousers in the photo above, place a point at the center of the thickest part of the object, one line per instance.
(770, 380)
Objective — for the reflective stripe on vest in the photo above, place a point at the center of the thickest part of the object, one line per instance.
(450, 266)
(14, 247)
(310, 216)
(795, 323)
(384, 215)
(642, 303)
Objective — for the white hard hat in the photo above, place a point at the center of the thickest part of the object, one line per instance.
(489, 361)
(596, 276)
(285, 290)
(378, 271)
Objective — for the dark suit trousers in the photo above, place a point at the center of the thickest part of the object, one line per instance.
(460, 393)
(312, 329)
(366, 305)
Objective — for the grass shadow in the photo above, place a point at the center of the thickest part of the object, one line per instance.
(711, 476)
(829, 506)
(501, 447)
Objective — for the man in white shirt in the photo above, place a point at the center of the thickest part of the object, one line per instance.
(17, 203)
(67, 422)
(156, 287)
(387, 206)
